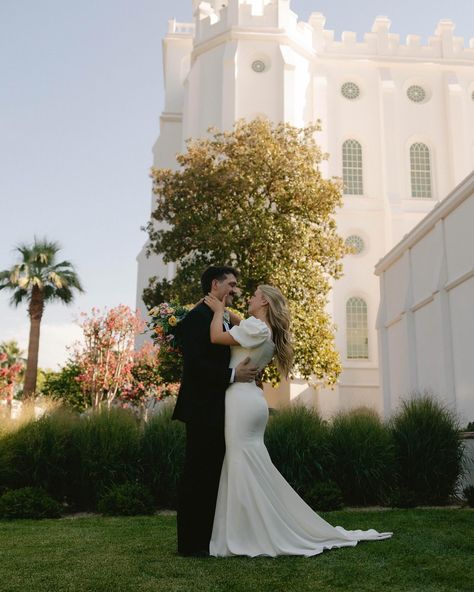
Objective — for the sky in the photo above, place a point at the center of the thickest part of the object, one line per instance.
(81, 92)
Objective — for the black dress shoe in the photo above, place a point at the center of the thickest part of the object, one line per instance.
(193, 553)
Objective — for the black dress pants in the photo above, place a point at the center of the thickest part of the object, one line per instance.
(205, 450)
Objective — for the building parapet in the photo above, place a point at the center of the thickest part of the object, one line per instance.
(215, 17)
(380, 42)
(175, 28)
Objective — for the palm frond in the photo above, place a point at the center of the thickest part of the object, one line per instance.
(49, 292)
(56, 279)
(18, 297)
(63, 294)
(25, 251)
(38, 269)
(15, 274)
(4, 279)
(73, 281)
(45, 246)
(61, 265)
(22, 282)
(37, 281)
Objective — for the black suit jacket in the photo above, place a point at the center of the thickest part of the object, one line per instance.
(206, 372)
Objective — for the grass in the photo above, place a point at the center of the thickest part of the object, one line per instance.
(431, 551)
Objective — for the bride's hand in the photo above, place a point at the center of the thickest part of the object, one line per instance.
(198, 302)
(214, 303)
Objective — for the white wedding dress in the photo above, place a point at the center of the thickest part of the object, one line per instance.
(257, 511)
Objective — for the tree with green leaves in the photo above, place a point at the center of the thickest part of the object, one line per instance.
(63, 385)
(37, 279)
(255, 198)
(14, 354)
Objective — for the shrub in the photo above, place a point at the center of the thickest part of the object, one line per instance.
(297, 441)
(400, 497)
(127, 499)
(469, 495)
(28, 502)
(39, 454)
(428, 449)
(363, 456)
(324, 497)
(64, 386)
(107, 453)
(162, 455)
(72, 457)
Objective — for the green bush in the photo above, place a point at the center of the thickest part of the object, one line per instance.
(107, 453)
(363, 456)
(28, 502)
(469, 495)
(400, 497)
(39, 454)
(415, 460)
(428, 450)
(162, 456)
(297, 441)
(64, 386)
(72, 457)
(127, 499)
(324, 497)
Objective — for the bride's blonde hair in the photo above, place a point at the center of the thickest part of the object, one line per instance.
(279, 320)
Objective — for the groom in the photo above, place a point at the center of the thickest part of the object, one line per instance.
(201, 405)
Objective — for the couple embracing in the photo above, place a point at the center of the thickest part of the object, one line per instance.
(232, 499)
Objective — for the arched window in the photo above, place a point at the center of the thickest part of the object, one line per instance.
(352, 167)
(420, 170)
(356, 325)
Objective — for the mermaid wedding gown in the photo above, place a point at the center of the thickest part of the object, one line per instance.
(257, 512)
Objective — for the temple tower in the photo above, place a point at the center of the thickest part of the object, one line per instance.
(395, 120)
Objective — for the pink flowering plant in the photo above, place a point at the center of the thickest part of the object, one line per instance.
(108, 369)
(106, 356)
(10, 375)
(146, 382)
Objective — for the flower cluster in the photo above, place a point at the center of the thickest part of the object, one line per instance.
(145, 383)
(9, 375)
(164, 320)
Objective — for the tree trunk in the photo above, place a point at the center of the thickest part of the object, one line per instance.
(35, 311)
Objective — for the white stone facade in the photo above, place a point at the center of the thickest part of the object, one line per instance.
(243, 58)
(426, 316)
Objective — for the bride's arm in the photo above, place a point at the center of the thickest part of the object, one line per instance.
(234, 318)
(218, 335)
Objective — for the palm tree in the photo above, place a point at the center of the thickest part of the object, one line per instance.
(38, 279)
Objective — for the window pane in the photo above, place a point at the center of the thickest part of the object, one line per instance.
(420, 170)
(352, 167)
(357, 334)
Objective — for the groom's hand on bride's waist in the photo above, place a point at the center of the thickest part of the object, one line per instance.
(246, 371)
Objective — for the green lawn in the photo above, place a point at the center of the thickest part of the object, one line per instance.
(432, 551)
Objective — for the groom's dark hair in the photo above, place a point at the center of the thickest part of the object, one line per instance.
(215, 273)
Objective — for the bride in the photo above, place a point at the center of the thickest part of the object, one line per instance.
(257, 512)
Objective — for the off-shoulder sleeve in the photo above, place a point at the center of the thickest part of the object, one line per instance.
(251, 332)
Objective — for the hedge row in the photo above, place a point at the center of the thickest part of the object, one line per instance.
(415, 459)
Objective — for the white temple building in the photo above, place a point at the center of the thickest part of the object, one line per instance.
(426, 315)
(397, 120)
